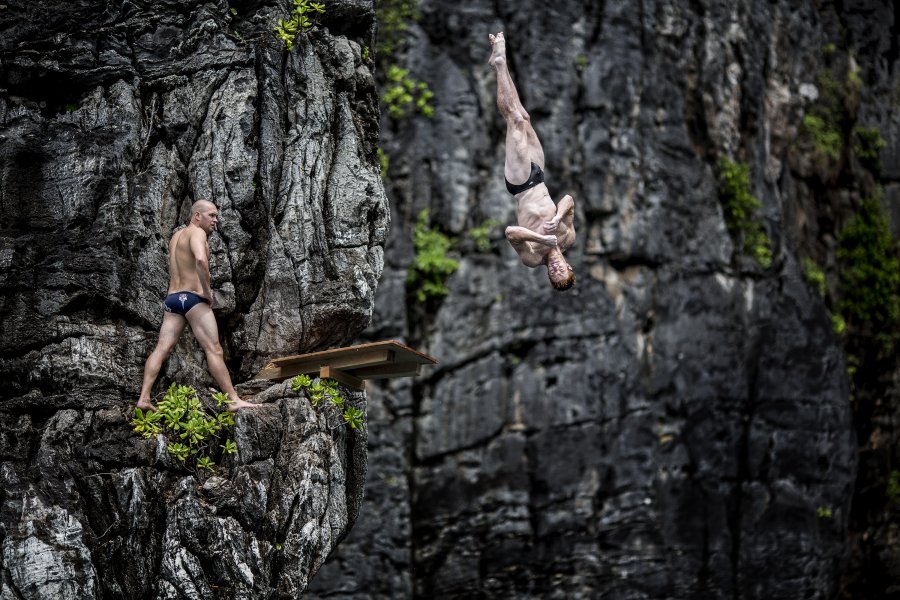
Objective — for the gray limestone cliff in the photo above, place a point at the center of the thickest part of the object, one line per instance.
(681, 424)
(114, 117)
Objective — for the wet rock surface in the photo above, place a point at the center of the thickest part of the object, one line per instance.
(114, 118)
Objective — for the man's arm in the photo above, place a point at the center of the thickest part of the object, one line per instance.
(517, 235)
(520, 236)
(200, 250)
(565, 213)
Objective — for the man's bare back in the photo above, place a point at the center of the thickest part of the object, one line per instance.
(183, 275)
(190, 300)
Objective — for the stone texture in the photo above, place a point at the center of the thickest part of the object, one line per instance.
(114, 118)
(679, 425)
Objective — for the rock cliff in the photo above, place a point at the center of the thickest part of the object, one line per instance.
(680, 425)
(114, 117)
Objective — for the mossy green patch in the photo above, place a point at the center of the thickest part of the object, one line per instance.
(870, 274)
(739, 207)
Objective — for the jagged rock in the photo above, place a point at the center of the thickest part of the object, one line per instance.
(114, 117)
(679, 425)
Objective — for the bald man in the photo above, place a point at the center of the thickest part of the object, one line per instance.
(190, 300)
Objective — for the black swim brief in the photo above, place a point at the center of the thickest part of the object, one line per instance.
(536, 177)
(181, 302)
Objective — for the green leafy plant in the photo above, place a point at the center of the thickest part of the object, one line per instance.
(893, 487)
(826, 138)
(481, 235)
(814, 275)
(427, 276)
(403, 93)
(385, 161)
(867, 147)
(838, 324)
(828, 118)
(303, 17)
(739, 207)
(189, 429)
(394, 18)
(324, 395)
(870, 274)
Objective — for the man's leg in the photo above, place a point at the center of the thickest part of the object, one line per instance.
(172, 326)
(522, 144)
(203, 325)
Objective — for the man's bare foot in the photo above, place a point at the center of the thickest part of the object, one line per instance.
(236, 405)
(498, 51)
(145, 405)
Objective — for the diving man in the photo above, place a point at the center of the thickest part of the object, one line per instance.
(190, 300)
(545, 229)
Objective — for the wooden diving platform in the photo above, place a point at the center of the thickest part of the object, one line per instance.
(351, 365)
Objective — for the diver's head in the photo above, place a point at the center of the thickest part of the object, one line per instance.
(562, 277)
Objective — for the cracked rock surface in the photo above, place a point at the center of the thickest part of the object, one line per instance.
(679, 425)
(114, 118)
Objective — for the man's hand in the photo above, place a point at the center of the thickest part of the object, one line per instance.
(549, 240)
(551, 225)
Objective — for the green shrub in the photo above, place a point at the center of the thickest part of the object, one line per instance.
(481, 235)
(814, 275)
(867, 147)
(324, 395)
(739, 207)
(189, 429)
(893, 487)
(825, 136)
(427, 276)
(394, 17)
(828, 118)
(838, 324)
(384, 162)
(298, 22)
(403, 93)
(870, 274)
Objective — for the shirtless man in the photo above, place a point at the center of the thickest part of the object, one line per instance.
(545, 229)
(190, 300)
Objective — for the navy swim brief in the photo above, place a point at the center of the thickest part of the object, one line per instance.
(181, 302)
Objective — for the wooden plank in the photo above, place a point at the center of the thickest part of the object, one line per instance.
(404, 352)
(354, 383)
(387, 371)
(377, 359)
(305, 364)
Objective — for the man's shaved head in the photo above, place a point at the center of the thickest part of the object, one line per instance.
(202, 206)
(204, 215)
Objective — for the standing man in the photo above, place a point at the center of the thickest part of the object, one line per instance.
(545, 229)
(190, 300)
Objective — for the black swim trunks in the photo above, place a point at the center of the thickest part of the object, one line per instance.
(181, 302)
(536, 177)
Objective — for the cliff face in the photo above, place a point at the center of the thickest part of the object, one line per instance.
(679, 425)
(114, 117)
